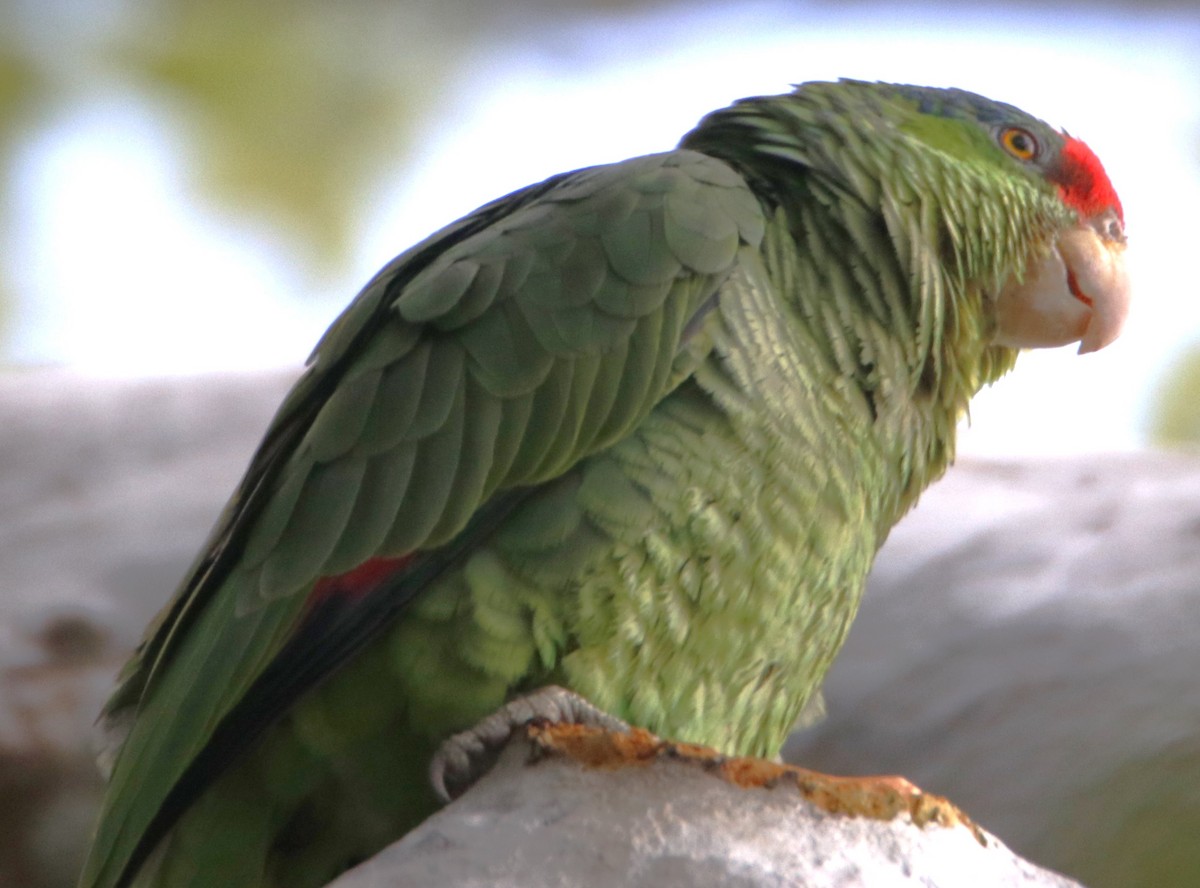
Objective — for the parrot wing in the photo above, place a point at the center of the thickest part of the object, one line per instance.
(484, 361)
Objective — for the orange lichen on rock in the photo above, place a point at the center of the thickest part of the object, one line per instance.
(878, 797)
(595, 747)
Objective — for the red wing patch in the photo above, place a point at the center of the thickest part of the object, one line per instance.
(357, 582)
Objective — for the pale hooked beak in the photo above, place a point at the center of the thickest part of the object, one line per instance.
(1079, 293)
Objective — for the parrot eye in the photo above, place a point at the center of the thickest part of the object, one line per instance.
(1019, 143)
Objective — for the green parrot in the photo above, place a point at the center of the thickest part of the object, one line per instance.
(637, 431)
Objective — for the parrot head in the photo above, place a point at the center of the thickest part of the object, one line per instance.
(1019, 184)
(1079, 292)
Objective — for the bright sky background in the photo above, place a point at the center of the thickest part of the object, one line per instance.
(156, 284)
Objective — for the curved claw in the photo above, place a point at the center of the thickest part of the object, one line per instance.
(465, 757)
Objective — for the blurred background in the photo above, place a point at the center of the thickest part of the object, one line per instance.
(200, 185)
(191, 190)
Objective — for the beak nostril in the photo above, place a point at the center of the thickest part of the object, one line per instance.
(1109, 227)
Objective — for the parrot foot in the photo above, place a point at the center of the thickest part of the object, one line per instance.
(465, 757)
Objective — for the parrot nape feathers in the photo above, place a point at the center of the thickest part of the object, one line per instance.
(637, 430)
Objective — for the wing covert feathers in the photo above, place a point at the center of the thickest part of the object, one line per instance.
(494, 355)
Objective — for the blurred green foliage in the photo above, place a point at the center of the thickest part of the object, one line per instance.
(22, 88)
(1175, 413)
(286, 109)
(20, 85)
(284, 113)
(1137, 828)
(291, 106)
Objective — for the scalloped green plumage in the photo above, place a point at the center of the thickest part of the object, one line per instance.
(638, 429)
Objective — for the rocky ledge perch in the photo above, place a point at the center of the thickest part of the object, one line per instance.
(1027, 646)
(574, 805)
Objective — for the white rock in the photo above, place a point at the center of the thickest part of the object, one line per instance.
(108, 489)
(1028, 645)
(672, 824)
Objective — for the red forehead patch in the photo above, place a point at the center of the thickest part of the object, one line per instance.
(1083, 183)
